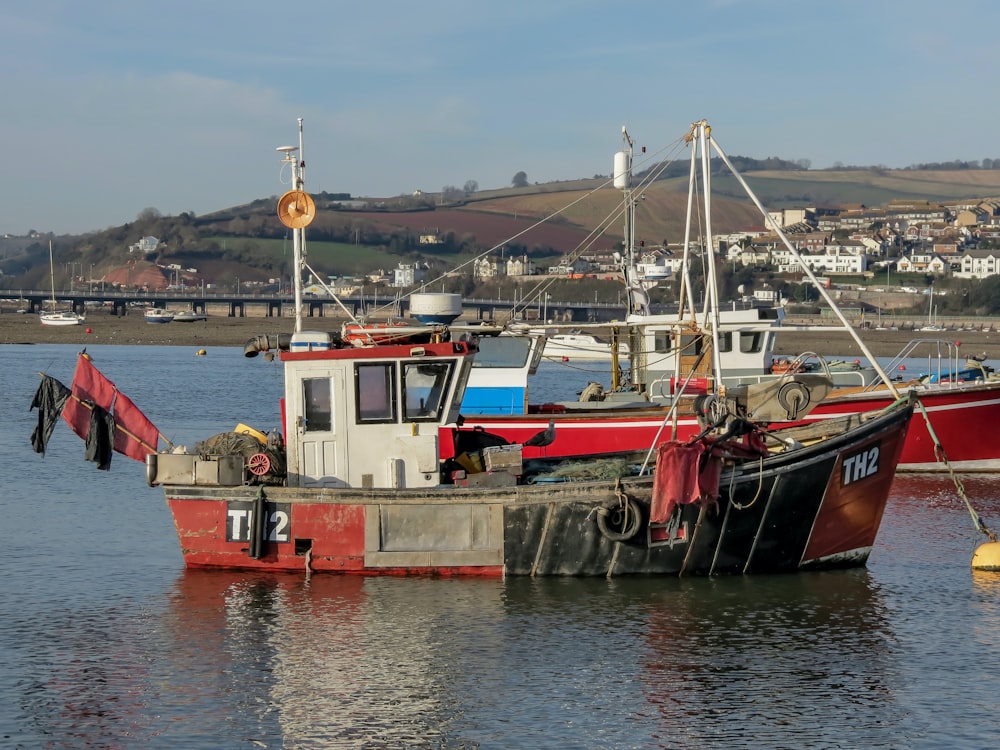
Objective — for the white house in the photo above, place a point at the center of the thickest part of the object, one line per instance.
(836, 260)
(922, 263)
(488, 268)
(520, 266)
(144, 245)
(978, 264)
(407, 274)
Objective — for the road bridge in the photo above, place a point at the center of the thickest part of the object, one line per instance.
(279, 305)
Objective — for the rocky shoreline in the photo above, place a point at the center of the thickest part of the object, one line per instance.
(104, 328)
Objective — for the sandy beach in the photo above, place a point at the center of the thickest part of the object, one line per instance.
(104, 328)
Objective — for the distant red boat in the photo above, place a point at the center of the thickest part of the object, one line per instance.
(951, 411)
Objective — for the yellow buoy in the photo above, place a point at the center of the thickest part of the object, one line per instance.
(987, 557)
(201, 353)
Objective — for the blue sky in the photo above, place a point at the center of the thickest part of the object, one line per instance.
(114, 106)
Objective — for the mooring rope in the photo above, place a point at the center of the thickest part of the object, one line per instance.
(760, 486)
(943, 458)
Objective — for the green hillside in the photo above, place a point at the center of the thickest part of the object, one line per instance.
(544, 221)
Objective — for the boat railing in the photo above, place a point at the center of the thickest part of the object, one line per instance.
(942, 359)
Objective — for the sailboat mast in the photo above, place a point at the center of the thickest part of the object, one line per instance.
(52, 276)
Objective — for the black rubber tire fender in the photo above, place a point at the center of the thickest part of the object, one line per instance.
(621, 522)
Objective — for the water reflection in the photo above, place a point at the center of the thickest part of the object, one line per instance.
(763, 653)
(231, 659)
(429, 663)
(336, 660)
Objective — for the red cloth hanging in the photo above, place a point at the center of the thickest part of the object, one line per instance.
(135, 435)
(88, 385)
(685, 473)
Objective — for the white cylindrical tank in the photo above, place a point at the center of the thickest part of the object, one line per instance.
(621, 170)
(310, 341)
(435, 307)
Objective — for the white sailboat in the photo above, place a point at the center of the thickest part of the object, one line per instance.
(932, 323)
(56, 317)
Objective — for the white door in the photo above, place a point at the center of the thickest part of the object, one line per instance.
(316, 456)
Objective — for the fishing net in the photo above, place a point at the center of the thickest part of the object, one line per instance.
(580, 471)
(241, 444)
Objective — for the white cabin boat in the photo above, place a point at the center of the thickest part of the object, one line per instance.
(158, 315)
(577, 345)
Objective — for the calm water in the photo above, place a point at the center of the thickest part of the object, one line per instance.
(108, 642)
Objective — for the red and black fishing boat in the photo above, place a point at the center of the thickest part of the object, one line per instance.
(357, 483)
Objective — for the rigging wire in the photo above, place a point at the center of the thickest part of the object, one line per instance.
(659, 166)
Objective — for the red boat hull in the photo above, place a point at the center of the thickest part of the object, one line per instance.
(958, 417)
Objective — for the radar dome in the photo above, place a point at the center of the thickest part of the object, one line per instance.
(439, 308)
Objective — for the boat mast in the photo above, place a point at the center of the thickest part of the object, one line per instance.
(296, 211)
(637, 299)
(704, 134)
(298, 236)
(52, 276)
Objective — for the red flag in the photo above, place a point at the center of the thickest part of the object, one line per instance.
(135, 435)
(88, 385)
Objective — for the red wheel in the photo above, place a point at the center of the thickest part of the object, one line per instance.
(259, 464)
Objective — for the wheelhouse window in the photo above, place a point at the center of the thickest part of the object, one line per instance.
(374, 389)
(662, 342)
(752, 342)
(693, 344)
(425, 385)
(463, 381)
(502, 351)
(316, 398)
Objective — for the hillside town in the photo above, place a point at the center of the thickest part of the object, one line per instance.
(961, 240)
